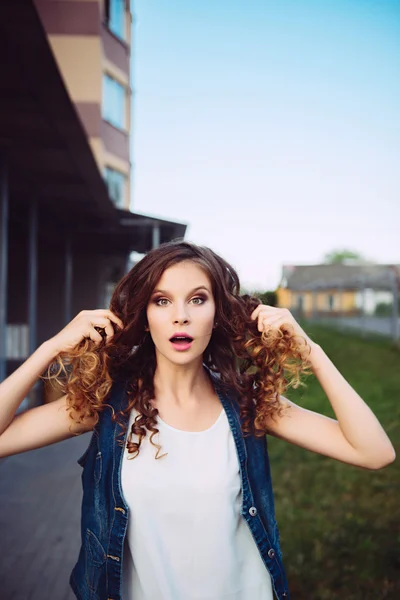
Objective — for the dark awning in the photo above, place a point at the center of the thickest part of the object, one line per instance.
(141, 228)
(131, 231)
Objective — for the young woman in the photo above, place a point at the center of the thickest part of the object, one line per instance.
(180, 381)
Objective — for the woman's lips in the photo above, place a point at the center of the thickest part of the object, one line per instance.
(181, 345)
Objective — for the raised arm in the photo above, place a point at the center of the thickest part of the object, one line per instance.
(50, 423)
(355, 436)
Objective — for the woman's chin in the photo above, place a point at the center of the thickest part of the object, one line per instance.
(184, 357)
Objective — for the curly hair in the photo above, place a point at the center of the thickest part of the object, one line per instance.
(256, 367)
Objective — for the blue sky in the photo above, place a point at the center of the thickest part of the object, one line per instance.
(271, 127)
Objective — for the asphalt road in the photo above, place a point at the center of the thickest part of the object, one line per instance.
(40, 501)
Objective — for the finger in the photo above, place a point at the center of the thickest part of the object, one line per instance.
(277, 322)
(106, 314)
(95, 337)
(264, 322)
(265, 319)
(101, 331)
(264, 308)
(100, 322)
(256, 312)
(104, 327)
(269, 324)
(115, 319)
(109, 331)
(283, 325)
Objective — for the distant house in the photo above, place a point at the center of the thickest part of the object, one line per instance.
(336, 289)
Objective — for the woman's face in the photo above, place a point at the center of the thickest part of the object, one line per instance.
(181, 313)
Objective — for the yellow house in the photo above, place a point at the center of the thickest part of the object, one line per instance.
(330, 289)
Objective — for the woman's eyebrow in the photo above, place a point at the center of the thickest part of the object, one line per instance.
(196, 289)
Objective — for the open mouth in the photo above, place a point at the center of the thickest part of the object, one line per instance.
(181, 342)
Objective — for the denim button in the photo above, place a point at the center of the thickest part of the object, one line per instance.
(284, 595)
(271, 553)
(113, 557)
(253, 511)
(120, 509)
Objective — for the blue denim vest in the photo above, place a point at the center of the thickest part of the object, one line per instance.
(97, 574)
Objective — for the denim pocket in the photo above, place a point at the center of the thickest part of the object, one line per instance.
(95, 563)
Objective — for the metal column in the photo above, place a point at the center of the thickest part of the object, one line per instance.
(32, 275)
(364, 283)
(395, 308)
(315, 303)
(340, 307)
(4, 200)
(156, 236)
(68, 281)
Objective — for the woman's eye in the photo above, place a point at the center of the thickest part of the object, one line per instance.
(162, 301)
(165, 301)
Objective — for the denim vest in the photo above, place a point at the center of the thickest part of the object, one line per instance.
(97, 574)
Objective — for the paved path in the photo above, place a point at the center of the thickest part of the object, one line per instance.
(40, 501)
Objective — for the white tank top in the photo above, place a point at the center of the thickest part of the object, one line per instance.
(186, 538)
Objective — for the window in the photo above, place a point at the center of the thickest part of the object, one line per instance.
(17, 341)
(114, 102)
(107, 293)
(331, 301)
(116, 183)
(300, 301)
(115, 17)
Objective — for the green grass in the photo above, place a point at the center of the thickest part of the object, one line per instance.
(340, 525)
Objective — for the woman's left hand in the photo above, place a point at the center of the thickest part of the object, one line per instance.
(272, 318)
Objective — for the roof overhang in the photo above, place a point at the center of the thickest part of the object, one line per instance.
(131, 232)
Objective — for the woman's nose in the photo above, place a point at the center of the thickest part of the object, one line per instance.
(181, 320)
(181, 315)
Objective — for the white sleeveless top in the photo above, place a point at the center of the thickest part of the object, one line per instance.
(186, 538)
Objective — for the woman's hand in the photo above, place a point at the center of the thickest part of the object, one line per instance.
(271, 318)
(87, 324)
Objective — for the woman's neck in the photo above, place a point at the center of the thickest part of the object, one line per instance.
(182, 385)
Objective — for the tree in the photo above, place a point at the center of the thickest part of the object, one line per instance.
(385, 309)
(341, 257)
(269, 298)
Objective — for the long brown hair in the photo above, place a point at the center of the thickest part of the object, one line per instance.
(256, 367)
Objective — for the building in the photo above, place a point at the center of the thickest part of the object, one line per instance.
(91, 42)
(66, 233)
(337, 289)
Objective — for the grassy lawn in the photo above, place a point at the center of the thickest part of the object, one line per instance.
(340, 525)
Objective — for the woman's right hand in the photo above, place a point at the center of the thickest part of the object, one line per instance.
(84, 326)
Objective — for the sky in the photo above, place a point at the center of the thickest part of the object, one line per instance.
(272, 128)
